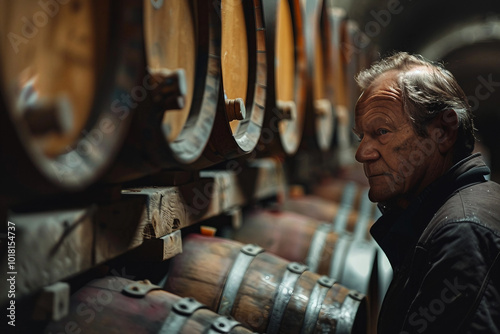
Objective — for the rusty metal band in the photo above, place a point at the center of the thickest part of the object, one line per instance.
(283, 295)
(179, 314)
(346, 204)
(348, 312)
(339, 255)
(222, 325)
(235, 277)
(316, 247)
(316, 299)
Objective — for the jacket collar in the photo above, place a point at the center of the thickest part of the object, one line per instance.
(398, 230)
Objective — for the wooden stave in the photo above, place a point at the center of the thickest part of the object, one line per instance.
(276, 142)
(125, 313)
(257, 316)
(77, 170)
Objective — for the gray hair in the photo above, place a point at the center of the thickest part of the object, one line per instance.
(426, 94)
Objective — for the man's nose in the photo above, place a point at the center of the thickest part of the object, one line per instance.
(366, 151)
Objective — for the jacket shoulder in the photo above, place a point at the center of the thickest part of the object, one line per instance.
(478, 204)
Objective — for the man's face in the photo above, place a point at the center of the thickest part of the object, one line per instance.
(395, 159)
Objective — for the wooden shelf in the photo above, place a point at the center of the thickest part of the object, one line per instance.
(53, 246)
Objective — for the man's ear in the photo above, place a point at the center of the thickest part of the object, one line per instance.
(443, 130)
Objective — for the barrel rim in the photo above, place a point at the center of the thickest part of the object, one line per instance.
(78, 168)
(249, 130)
(190, 143)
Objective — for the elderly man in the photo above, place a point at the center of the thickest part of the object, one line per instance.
(440, 226)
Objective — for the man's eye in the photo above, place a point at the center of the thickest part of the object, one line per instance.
(382, 131)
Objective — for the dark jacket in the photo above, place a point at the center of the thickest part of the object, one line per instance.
(445, 253)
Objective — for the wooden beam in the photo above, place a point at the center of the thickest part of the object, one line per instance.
(49, 246)
(216, 192)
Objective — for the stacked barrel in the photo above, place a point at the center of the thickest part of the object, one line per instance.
(108, 92)
(95, 94)
(329, 232)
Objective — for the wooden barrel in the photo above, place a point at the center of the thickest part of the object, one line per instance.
(283, 125)
(340, 206)
(64, 69)
(334, 190)
(184, 36)
(320, 118)
(337, 19)
(262, 291)
(354, 50)
(181, 40)
(322, 210)
(118, 305)
(241, 107)
(348, 257)
(325, 86)
(299, 238)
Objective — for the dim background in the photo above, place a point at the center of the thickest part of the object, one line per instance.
(464, 35)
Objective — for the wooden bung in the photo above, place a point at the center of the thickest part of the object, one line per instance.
(262, 291)
(170, 37)
(117, 305)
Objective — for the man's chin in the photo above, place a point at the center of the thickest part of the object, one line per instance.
(380, 196)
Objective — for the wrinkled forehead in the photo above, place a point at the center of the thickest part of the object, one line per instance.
(385, 81)
(384, 90)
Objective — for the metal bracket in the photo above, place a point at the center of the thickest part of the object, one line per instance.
(139, 289)
(326, 281)
(252, 250)
(297, 268)
(223, 325)
(181, 311)
(356, 295)
(187, 306)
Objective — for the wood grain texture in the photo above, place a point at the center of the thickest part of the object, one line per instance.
(56, 245)
(86, 59)
(101, 307)
(320, 209)
(57, 65)
(201, 270)
(50, 246)
(170, 36)
(285, 49)
(216, 192)
(285, 234)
